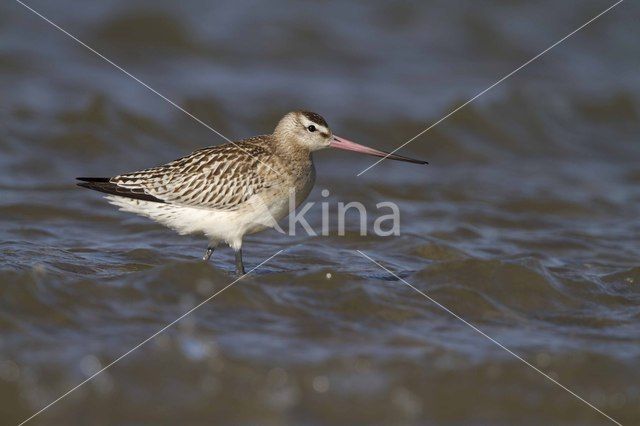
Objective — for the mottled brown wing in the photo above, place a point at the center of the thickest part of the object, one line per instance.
(220, 177)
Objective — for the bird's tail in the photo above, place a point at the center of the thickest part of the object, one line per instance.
(103, 184)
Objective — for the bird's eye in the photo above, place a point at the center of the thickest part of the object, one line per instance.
(311, 128)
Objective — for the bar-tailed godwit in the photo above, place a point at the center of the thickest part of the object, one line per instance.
(228, 191)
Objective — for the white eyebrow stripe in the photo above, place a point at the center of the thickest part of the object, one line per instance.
(318, 127)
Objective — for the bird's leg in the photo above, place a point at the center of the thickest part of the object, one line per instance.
(239, 265)
(208, 253)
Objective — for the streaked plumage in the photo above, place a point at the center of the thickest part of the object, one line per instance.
(230, 190)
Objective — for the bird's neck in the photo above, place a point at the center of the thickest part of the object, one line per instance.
(286, 148)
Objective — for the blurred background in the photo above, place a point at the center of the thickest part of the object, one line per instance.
(525, 223)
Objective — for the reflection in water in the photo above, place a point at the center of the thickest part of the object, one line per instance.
(525, 223)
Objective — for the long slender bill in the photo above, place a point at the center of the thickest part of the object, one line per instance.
(347, 145)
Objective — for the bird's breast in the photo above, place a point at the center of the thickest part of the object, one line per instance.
(294, 188)
(304, 184)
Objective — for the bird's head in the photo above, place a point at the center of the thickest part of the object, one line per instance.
(309, 131)
(306, 130)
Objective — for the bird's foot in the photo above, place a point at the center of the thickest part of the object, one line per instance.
(208, 253)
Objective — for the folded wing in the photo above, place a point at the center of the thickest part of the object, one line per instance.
(221, 177)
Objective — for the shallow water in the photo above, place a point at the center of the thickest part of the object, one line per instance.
(525, 223)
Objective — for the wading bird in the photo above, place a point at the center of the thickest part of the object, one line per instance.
(228, 191)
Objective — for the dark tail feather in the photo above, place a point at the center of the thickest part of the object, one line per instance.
(103, 185)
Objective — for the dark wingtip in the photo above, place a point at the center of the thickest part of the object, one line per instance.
(93, 179)
(103, 185)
